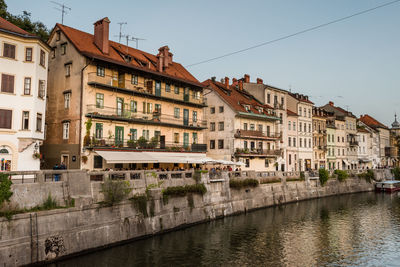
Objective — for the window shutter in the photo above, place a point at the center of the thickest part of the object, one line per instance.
(4, 82)
(7, 83)
(5, 118)
(12, 51)
(6, 50)
(11, 83)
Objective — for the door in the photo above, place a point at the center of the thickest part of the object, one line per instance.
(121, 80)
(65, 160)
(186, 94)
(158, 88)
(120, 106)
(119, 135)
(185, 139)
(186, 117)
(114, 78)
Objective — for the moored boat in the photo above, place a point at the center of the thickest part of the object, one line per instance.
(388, 186)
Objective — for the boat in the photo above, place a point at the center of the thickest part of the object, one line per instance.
(388, 186)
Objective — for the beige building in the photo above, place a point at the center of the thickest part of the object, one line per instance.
(340, 144)
(113, 106)
(320, 117)
(240, 127)
(331, 143)
(304, 106)
(292, 150)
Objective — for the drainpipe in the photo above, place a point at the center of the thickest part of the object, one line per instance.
(81, 111)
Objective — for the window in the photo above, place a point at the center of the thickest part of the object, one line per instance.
(212, 110)
(280, 116)
(146, 134)
(5, 118)
(221, 109)
(28, 54)
(7, 83)
(294, 126)
(245, 144)
(42, 89)
(305, 127)
(300, 111)
(68, 69)
(63, 48)
(67, 100)
(97, 162)
(268, 98)
(221, 144)
(245, 126)
(134, 79)
(289, 141)
(290, 159)
(252, 127)
(176, 138)
(133, 106)
(309, 142)
(300, 142)
(300, 128)
(289, 125)
(9, 50)
(194, 116)
(132, 134)
(309, 128)
(247, 163)
(212, 144)
(185, 139)
(38, 122)
(194, 138)
(58, 35)
(260, 127)
(100, 71)
(27, 86)
(212, 126)
(25, 120)
(42, 58)
(197, 95)
(220, 126)
(309, 113)
(282, 101)
(177, 112)
(99, 131)
(294, 141)
(99, 100)
(167, 87)
(66, 130)
(176, 90)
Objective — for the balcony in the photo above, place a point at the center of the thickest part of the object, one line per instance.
(321, 131)
(279, 106)
(353, 143)
(258, 152)
(256, 135)
(142, 144)
(154, 118)
(121, 82)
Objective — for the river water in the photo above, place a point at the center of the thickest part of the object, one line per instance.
(349, 230)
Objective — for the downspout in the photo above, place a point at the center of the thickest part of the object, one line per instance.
(81, 111)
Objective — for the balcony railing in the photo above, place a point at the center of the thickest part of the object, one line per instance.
(140, 117)
(152, 144)
(258, 152)
(256, 134)
(279, 106)
(353, 143)
(123, 81)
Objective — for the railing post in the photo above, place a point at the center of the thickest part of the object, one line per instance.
(40, 177)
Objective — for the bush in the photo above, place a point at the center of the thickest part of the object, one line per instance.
(131, 143)
(115, 191)
(302, 176)
(181, 191)
(240, 183)
(323, 176)
(341, 175)
(140, 203)
(368, 176)
(153, 142)
(50, 203)
(142, 142)
(5, 189)
(396, 173)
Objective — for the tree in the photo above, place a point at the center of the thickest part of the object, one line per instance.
(24, 22)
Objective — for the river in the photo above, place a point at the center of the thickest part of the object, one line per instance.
(349, 230)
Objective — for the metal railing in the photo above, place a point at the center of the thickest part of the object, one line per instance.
(261, 152)
(256, 134)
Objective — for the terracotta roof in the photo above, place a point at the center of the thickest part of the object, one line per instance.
(371, 122)
(8, 26)
(84, 43)
(291, 113)
(238, 98)
(297, 96)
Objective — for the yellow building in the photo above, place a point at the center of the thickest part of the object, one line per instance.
(105, 98)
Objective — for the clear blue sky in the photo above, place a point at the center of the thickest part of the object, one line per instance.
(355, 63)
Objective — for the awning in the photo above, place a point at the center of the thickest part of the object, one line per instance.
(346, 162)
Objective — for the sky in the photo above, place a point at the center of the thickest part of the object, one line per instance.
(354, 63)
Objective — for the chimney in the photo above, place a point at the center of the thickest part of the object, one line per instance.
(164, 58)
(240, 84)
(213, 78)
(259, 81)
(234, 81)
(226, 82)
(330, 103)
(246, 78)
(101, 34)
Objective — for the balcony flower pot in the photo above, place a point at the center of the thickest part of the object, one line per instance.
(36, 155)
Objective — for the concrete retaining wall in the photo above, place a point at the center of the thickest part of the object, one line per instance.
(23, 239)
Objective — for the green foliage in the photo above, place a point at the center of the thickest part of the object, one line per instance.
(293, 179)
(142, 142)
(240, 183)
(396, 173)
(181, 191)
(87, 139)
(50, 203)
(153, 142)
(368, 176)
(115, 191)
(5, 189)
(341, 175)
(197, 176)
(269, 180)
(302, 176)
(140, 204)
(24, 22)
(132, 143)
(323, 176)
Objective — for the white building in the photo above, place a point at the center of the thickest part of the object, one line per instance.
(23, 75)
(364, 153)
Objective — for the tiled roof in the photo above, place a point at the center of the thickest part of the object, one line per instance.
(291, 113)
(84, 43)
(8, 26)
(237, 98)
(301, 99)
(371, 122)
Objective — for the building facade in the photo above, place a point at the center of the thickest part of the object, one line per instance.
(331, 144)
(364, 139)
(292, 150)
(113, 106)
(319, 117)
(23, 74)
(241, 128)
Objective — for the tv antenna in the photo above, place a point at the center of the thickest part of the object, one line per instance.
(120, 30)
(63, 10)
(131, 38)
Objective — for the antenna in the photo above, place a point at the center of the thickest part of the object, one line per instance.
(120, 30)
(63, 10)
(129, 38)
(137, 41)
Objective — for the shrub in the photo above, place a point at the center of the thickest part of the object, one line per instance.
(368, 176)
(240, 183)
(341, 175)
(142, 142)
(153, 142)
(50, 203)
(302, 176)
(181, 191)
(5, 189)
(323, 176)
(396, 173)
(115, 191)
(131, 143)
(269, 180)
(140, 203)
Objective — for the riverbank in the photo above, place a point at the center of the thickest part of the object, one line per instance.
(48, 235)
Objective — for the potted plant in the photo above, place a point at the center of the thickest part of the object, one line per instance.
(142, 142)
(84, 159)
(36, 155)
(131, 143)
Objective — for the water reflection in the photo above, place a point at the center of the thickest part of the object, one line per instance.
(359, 229)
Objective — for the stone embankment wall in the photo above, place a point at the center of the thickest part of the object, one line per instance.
(40, 236)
